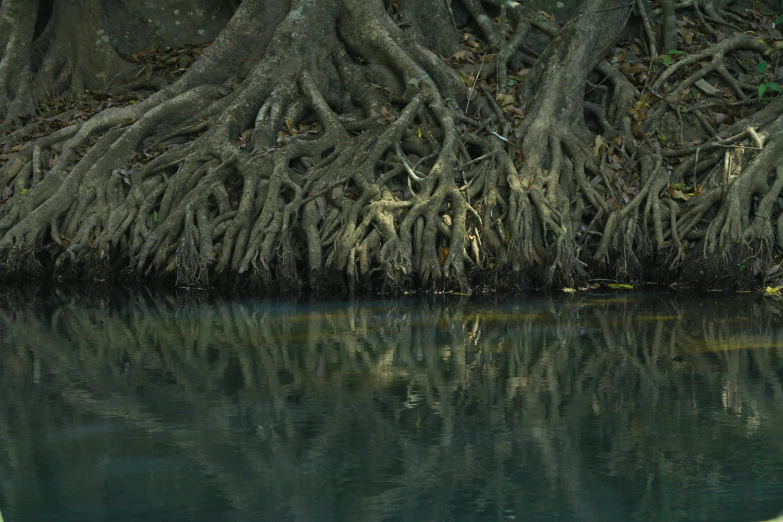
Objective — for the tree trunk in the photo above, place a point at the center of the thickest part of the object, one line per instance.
(79, 54)
(17, 23)
(334, 143)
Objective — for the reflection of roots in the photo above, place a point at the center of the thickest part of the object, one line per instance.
(200, 348)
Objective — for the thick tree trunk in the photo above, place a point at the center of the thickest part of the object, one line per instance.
(17, 23)
(554, 123)
(79, 53)
(432, 23)
(322, 142)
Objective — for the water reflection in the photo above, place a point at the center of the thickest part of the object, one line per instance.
(593, 410)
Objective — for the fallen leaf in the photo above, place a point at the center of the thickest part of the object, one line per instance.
(546, 15)
(599, 142)
(504, 99)
(706, 87)
(386, 114)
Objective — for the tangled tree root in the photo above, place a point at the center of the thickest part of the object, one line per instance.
(354, 158)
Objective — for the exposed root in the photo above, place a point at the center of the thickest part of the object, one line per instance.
(347, 155)
(737, 224)
(626, 231)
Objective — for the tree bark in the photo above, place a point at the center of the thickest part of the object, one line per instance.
(17, 23)
(79, 54)
(669, 26)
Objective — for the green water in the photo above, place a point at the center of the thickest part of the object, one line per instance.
(652, 408)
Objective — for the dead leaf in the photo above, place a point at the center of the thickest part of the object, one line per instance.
(629, 69)
(443, 255)
(387, 115)
(686, 34)
(639, 110)
(599, 142)
(546, 15)
(516, 110)
(706, 88)
(504, 99)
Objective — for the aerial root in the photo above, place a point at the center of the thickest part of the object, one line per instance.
(625, 232)
(277, 191)
(193, 253)
(20, 266)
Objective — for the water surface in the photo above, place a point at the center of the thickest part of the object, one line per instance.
(650, 408)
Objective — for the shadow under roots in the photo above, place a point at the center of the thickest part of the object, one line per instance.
(501, 280)
(732, 270)
(93, 267)
(659, 267)
(327, 283)
(20, 268)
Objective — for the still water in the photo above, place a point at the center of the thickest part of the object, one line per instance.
(607, 408)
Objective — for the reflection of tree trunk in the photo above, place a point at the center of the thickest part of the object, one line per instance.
(14, 452)
(205, 453)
